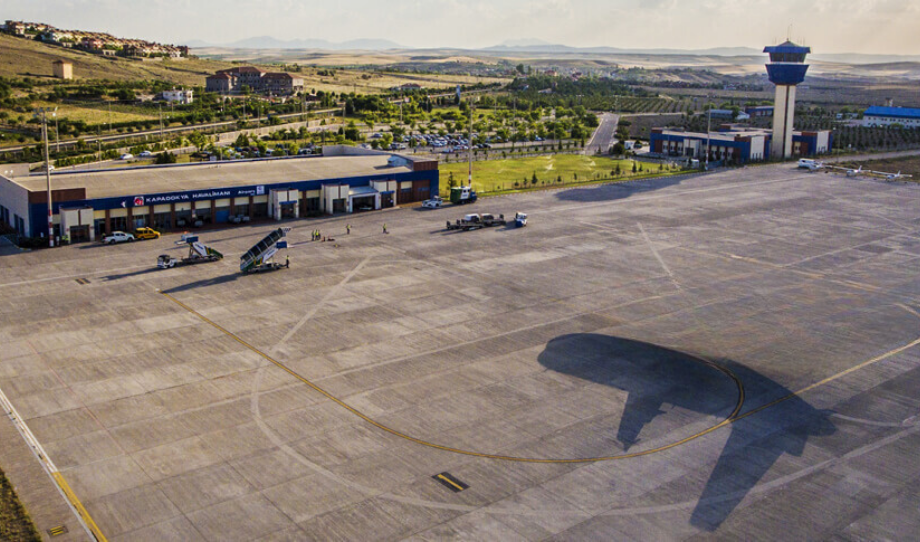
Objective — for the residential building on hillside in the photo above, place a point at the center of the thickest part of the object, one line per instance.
(233, 80)
(181, 96)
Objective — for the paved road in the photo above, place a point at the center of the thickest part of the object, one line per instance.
(603, 136)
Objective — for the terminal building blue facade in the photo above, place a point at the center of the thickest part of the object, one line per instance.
(93, 203)
(733, 144)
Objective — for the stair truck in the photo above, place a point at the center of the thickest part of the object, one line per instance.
(259, 257)
(198, 252)
(460, 195)
(476, 221)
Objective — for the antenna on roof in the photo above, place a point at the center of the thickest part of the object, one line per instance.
(789, 33)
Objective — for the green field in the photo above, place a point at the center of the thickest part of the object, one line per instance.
(100, 113)
(516, 174)
(15, 524)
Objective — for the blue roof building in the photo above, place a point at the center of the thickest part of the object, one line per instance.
(887, 116)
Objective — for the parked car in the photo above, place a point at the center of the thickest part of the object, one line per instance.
(145, 154)
(126, 156)
(118, 237)
(146, 233)
(433, 203)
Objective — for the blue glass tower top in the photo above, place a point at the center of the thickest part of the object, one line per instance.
(787, 63)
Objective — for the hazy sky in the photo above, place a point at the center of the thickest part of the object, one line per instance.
(828, 26)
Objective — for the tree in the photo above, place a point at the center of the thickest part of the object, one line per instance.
(520, 69)
(198, 140)
(534, 180)
(165, 158)
(351, 132)
(386, 140)
(634, 168)
(242, 140)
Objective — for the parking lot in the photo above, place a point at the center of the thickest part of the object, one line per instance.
(729, 356)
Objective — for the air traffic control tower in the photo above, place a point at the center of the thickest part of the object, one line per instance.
(786, 69)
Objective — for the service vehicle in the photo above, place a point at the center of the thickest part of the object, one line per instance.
(118, 237)
(259, 257)
(520, 220)
(433, 203)
(198, 252)
(126, 156)
(146, 233)
(806, 163)
(460, 195)
(476, 221)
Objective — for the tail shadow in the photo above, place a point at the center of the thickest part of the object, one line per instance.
(656, 378)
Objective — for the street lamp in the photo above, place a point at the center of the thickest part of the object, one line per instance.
(708, 131)
(41, 113)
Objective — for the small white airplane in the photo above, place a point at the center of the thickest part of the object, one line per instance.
(893, 176)
(854, 172)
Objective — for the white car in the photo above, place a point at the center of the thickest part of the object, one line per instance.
(433, 203)
(118, 237)
(145, 154)
(126, 156)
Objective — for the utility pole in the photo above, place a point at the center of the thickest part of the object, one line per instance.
(161, 121)
(708, 122)
(470, 146)
(41, 112)
(57, 134)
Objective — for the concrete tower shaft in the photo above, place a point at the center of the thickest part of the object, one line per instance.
(786, 69)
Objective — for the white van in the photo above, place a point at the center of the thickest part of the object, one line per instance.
(806, 163)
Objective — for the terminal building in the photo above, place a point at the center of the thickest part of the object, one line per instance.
(89, 204)
(733, 144)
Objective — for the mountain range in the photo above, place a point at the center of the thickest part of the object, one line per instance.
(269, 42)
(534, 46)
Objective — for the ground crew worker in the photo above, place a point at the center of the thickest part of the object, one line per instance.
(287, 261)
(385, 228)
(348, 229)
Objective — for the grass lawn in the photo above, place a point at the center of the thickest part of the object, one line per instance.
(15, 524)
(100, 113)
(497, 175)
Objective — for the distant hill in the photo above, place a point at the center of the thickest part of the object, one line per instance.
(270, 42)
(529, 46)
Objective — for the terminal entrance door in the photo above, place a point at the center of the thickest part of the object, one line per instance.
(386, 199)
(287, 209)
(79, 234)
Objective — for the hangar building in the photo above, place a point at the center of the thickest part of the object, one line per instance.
(87, 204)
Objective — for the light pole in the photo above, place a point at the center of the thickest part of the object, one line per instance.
(42, 113)
(708, 122)
(470, 146)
